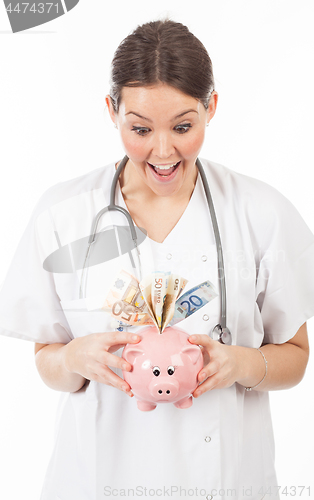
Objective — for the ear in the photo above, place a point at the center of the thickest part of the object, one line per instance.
(212, 106)
(132, 353)
(193, 351)
(111, 110)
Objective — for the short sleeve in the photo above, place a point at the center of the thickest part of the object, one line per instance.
(285, 277)
(29, 305)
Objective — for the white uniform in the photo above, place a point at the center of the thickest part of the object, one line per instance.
(222, 447)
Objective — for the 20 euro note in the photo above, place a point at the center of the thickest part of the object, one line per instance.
(125, 301)
(192, 300)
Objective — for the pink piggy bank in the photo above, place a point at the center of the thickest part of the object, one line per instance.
(165, 368)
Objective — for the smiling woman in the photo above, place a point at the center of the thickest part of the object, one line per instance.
(162, 131)
(161, 99)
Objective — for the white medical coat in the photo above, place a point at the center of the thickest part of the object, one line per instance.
(222, 447)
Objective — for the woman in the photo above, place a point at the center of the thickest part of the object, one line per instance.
(161, 100)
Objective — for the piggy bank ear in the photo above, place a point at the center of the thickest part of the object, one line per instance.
(132, 353)
(193, 351)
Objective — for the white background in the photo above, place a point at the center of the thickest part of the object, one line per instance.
(53, 127)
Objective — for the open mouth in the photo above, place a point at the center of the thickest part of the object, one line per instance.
(164, 171)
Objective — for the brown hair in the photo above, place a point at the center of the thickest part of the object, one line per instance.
(166, 52)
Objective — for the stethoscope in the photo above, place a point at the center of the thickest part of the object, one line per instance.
(220, 332)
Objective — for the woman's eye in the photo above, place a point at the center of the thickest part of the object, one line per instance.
(141, 130)
(183, 128)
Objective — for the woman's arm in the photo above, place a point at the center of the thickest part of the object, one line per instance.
(286, 363)
(49, 359)
(66, 367)
(224, 365)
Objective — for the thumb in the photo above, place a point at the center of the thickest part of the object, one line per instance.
(203, 340)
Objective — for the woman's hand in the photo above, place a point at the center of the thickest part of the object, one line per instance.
(91, 356)
(226, 364)
(221, 364)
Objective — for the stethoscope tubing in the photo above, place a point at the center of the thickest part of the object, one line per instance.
(221, 267)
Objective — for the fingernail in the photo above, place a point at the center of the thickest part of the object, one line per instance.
(202, 376)
(125, 367)
(193, 338)
(128, 392)
(135, 337)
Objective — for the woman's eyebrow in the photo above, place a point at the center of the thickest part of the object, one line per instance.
(185, 112)
(174, 118)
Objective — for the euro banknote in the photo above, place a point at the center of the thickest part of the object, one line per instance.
(192, 300)
(146, 288)
(175, 286)
(125, 301)
(156, 300)
(159, 290)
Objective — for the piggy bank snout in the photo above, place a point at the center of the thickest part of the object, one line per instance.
(165, 368)
(164, 389)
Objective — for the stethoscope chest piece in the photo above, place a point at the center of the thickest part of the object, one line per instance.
(222, 334)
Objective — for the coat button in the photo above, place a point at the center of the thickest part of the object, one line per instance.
(169, 256)
(204, 258)
(205, 317)
(208, 439)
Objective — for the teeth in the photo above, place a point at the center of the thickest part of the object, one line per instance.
(164, 167)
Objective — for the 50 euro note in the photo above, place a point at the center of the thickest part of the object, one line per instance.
(146, 289)
(125, 301)
(175, 286)
(192, 300)
(160, 291)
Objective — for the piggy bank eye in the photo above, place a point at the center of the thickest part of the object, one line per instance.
(156, 371)
(170, 370)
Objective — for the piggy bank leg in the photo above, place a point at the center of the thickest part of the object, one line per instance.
(184, 403)
(145, 406)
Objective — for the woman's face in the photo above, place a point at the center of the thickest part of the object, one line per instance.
(162, 131)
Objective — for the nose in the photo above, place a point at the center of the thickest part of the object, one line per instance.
(164, 389)
(163, 145)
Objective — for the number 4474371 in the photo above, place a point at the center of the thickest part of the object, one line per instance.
(23, 7)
